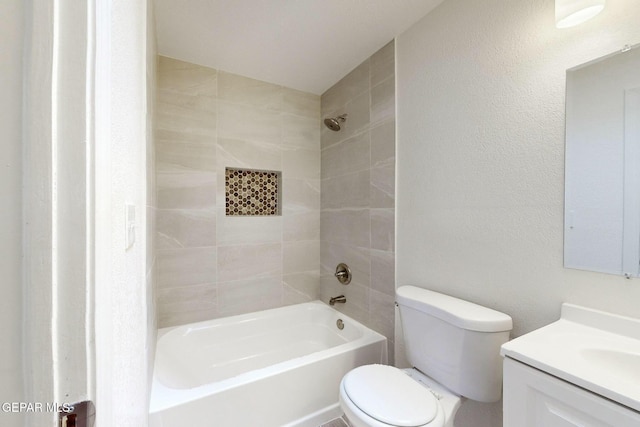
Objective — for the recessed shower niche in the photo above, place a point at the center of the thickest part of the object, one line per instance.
(251, 192)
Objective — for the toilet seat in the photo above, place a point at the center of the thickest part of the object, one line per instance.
(384, 396)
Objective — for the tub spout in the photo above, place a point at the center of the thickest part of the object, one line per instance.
(340, 298)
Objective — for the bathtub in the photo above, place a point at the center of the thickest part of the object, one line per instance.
(279, 367)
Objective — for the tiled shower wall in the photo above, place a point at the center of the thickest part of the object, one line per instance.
(358, 192)
(208, 264)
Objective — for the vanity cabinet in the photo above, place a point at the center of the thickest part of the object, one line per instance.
(533, 398)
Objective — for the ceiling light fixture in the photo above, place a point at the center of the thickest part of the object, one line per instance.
(574, 12)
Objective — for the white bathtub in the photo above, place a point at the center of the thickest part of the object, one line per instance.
(279, 367)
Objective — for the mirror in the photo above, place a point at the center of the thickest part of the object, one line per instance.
(602, 169)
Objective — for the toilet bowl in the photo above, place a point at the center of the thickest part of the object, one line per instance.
(454, 346)
(385, 396)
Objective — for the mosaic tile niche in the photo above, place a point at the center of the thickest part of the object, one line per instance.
(252, 192)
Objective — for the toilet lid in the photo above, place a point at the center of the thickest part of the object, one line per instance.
(390, 396)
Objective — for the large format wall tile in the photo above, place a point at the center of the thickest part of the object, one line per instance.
(383, 64)
(383, 181)
(357, 305)
(346, 226)
(383, 165)
(188, 103)
(300, 195)
(188, 298)
(301, 287)
(300, 132)
(383, 105)
(186, 120)
(248, 155)
(248, 262)
(185, 266)
(383, 271)
(301, 164)
(237, 230)
(349, 156)
(358, 120)
(186, 78)
(244, 296)
(186, 190)
(301, 256)
(382, 318)
(357, 223)
(383, 147)
(185, 156)
(244, 90)
(301, 225)
(168, 318)
(357, 258)
(382, 229)
(301, 104)
(179, 136)
(349, 87)
(181, 228)
(346, 191)
(247, 123)
(211, 265)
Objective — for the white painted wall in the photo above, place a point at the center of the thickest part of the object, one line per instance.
(11, 46)
(122, 300)
(72, 315)
(480, 140)
(56, 303)
(151, 211)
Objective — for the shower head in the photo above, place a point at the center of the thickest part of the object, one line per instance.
(333, 123)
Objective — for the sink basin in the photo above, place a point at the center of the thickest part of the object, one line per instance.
(622, 365)
(592, 349)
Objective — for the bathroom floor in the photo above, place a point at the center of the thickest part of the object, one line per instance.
(338, 422)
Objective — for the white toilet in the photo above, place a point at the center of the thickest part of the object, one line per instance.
(454, 348)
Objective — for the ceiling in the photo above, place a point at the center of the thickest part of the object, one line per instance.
(307, 45)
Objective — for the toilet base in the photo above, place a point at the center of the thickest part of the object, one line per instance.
(449, 400)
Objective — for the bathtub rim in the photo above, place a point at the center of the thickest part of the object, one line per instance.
(163, 397)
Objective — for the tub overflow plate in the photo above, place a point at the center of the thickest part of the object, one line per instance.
(340, 324)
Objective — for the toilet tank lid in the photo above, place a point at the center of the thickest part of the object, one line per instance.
(457, 312)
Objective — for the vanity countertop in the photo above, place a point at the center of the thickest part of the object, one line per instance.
(595, 350)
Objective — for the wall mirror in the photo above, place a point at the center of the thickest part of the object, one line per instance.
(602, 169)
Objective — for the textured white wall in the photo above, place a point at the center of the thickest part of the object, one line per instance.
(480, 160)
(122, 318)
(56, 319)
(11, 45)
(71, 317)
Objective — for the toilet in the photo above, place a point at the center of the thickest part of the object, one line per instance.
(454, 348)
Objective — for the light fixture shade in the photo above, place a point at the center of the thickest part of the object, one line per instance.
(574, 12)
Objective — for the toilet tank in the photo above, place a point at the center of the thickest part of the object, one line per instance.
(455, 342)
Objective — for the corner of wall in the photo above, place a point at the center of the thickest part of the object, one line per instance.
(357, 218)
(151, 202)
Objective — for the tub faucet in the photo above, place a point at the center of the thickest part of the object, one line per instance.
(340, 298)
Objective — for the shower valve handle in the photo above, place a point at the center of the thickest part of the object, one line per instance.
(343, 273)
